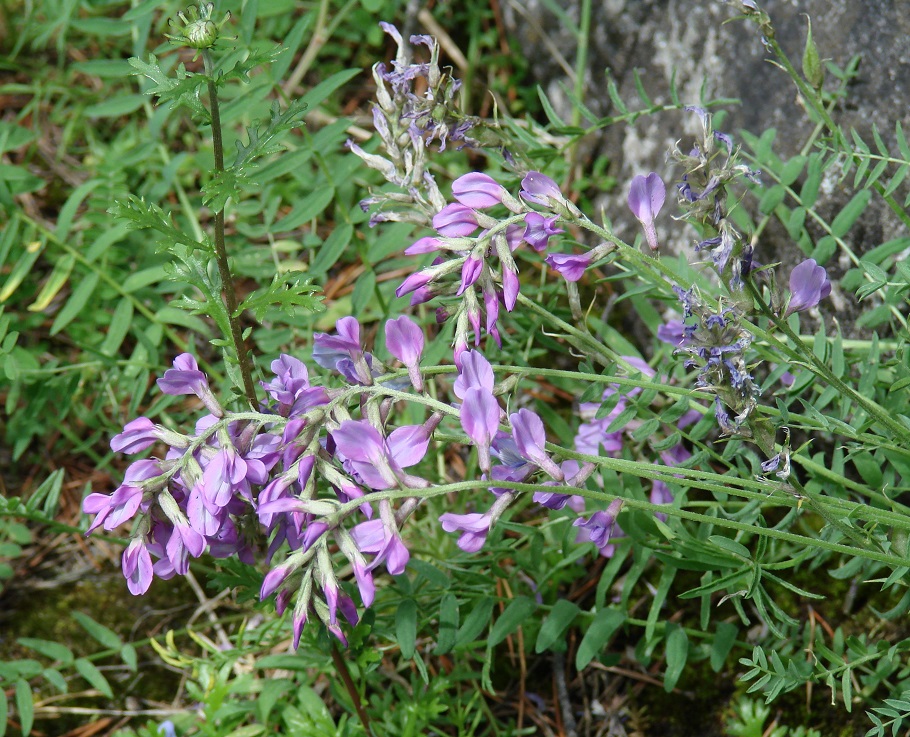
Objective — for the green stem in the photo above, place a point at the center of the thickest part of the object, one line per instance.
(227, 280)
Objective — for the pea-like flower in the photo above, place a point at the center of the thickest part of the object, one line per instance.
(809, 285)
(646, 198)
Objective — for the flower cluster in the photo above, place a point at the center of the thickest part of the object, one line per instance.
(407, 121)
(286, 478)
(475, 260)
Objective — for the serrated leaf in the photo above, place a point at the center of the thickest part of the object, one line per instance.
(102, 634)
(89, 671)
(290, 292)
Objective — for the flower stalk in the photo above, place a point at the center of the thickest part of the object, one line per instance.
(224, 270)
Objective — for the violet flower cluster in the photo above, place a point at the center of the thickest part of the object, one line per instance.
(281, 484)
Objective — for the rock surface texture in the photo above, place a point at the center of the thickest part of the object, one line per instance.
(711, 59)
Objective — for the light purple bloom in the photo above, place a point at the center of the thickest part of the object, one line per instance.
(455, 220)
(530, 438)
(646, 197)
(477, 190)
(474, 528)
(470, 272)
(510, 287)
(384, 542)
(673, 332)
(186, 378)
(809, 285)
(137, 435)
(475, 371)
(291, 386)
(480, 420)
(378, 461)
(404, 340)
(539, 189)
(112, 510)
(423, 245)
(328, 349)
(571, 267)
(137, 566)
(538, 230)
(599, 528)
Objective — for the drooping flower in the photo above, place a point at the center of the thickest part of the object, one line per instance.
(404, 340)
(809, 285)
(378, 461)
(137, 566)
(474, 528)
(530, 438)
(600, 528)
(480, 420)
(380, 537)
(646, 198)
(475, 371)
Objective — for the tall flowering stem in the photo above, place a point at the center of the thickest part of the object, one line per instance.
(224, 269)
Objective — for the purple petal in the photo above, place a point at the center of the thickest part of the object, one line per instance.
(477, 190)
(404, 340)
(455, 220)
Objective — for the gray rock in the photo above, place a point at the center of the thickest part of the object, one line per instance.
(712, 58)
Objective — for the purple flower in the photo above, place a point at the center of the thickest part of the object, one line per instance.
(646, 197)
(480, 420)
(809, 285)
(291, 387)
(474, 528)
(380, 537)
(510, 287)
(378, 461)
(423, 245)
(570, 266)
(673, 332)
(343, 353)
(477, 190)
(539, 189)
(137, 566)
(470, 272)
(599, 528)
(186, 378)
(538, 230)
(530, 438)
(475, 371)
(455, 220)
(115, 509)
(404, 340)
(137, 435)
